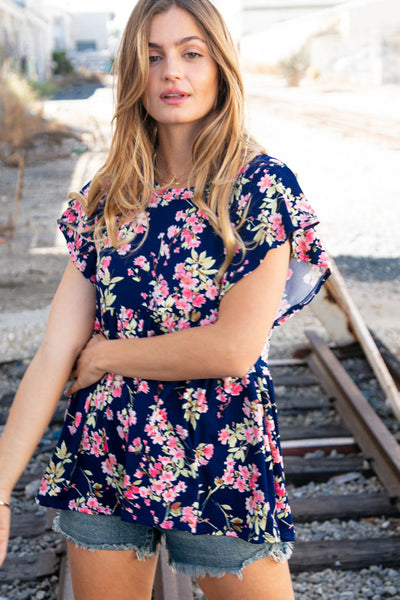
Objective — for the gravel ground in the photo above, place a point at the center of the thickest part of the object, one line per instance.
(345, 193)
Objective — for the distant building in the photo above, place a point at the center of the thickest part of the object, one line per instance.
(351, 40)
(90, 35)
(25, 42)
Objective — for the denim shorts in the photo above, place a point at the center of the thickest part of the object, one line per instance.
(192, 554)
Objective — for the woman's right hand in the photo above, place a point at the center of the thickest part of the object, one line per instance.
(5, 519)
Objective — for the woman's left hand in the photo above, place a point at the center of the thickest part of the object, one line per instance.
(86, 370)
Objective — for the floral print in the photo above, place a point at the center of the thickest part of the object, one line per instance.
(202, 456)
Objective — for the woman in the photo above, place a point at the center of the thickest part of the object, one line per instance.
(180, 250)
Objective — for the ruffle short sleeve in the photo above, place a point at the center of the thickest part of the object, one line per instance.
(272, 209)
(77, 229)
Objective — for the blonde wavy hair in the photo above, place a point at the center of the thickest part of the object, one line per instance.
(221, 148)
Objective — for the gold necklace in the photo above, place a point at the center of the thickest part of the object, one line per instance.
(165, 179)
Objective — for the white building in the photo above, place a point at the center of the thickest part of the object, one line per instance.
(356, 40)
(25, 42)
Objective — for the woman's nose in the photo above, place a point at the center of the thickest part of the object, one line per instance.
(172, 69)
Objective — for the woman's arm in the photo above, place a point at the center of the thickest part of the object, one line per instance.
(227, 348)
(69, 327)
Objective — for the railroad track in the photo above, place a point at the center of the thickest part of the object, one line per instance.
(356, 439)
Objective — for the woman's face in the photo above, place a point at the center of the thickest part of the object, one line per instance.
(183, 77)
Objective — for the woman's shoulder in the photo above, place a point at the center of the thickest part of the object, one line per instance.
(263, 164)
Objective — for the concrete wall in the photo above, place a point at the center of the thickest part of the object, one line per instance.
(358, 40)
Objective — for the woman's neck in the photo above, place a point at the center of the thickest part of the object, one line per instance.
(174, 153)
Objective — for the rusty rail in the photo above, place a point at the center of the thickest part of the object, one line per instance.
(373, 437)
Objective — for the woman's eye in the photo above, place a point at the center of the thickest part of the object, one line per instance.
(192, 54)
(154, 58)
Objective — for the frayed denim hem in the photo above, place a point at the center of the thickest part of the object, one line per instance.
(279, 552)
(141, 553)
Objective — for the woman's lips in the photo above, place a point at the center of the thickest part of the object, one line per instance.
(174, 96)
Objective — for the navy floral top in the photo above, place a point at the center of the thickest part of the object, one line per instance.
(200, 455)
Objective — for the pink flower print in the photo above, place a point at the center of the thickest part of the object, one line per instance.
(123, 434)
(109, 414)
(243, 200)
(240, 484)
(116, 390)
(187, 294)
(72, 505)
(158, 487)
(93, 504)
(180, 215)
(142, 262)
(85, 441)
(280, 505)
(169, 495)
(244, 472)
(166, 524)
(190, 239)
(181, 487)
(251, 504)
(125, 314)
(132, 420)
(177, 453)
(70, 216)
(198, 228)
(187, 195)
(72, 251)
(84, 509)
(97, 438)
(154, 471)
(198, 301)
(248, 432)
(279, 489)
(204, 453)
(143, 387)
(265, 182)
(231, 534)
(75, 424)
(302, 247)
(172, 443)
(172, 231)
(131, 492)
(181, 431)
(182, 304)
(211, 291)
(95, 449)
(153, 201)
(44, 487)
(144, 491)
(209, 451)
(187, 280)
(180, 270)
(230, 463)
(105, 262)
(270, 425)
(99, 399)
(232, 387)
(107, 466)
(275, 453)
(276, 221)
(189, 517)
(228, 478)
(167, 477)
(201, 404)
(161, 291)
